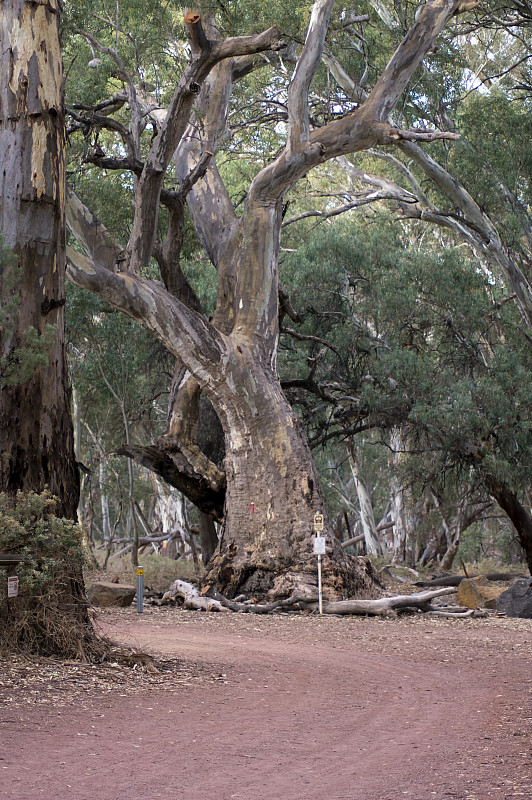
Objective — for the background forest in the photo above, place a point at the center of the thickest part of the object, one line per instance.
(405, 303)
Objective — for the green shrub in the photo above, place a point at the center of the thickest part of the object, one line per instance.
(50, 615)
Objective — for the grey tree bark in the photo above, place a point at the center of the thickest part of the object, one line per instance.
(367, 519)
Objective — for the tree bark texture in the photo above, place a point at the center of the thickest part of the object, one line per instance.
(36, 437)
(273, 492)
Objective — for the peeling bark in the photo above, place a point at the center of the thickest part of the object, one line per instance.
(36, 437)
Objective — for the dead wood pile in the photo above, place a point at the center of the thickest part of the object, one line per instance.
(194, 599)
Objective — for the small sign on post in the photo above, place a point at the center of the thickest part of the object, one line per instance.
(140, 589)
(319, 550)
(12, 586)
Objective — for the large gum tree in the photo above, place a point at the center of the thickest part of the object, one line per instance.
(269, 482)
(36, 438)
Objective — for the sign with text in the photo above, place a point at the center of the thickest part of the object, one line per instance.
(12, 586)
(319, 546)
(318, 521)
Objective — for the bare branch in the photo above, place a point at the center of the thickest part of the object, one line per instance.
(91, 119)
(363, 200)
(184, 332)
(136, 124)
(406, 59)
(298, 113)
(399, 135)
(90, 233)
(302, 337)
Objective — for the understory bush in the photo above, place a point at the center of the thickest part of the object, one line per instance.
(50, 615)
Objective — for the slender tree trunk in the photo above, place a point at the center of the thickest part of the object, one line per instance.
(401, 505)
(371, 537)
(36, 437)
(168, 516)
(104, 501)
(208, 536)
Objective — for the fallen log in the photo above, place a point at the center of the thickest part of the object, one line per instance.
(420, 600)
(455, 580)
(217, 602)
(436, 612)
(383, 605)
(292, 603)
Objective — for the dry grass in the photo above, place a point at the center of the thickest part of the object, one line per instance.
(159, 571)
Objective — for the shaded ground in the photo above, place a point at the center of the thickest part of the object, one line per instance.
(268, 708)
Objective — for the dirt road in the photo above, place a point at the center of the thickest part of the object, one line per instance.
(287, 707)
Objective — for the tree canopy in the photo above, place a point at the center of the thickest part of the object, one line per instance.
(204, 150)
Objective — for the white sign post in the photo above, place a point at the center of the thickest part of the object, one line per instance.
(12, 586)
(319, 550)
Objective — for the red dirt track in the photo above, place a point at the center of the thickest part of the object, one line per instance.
(291, 707)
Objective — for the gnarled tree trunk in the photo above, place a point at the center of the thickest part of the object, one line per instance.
(232, 358)
(273, 492)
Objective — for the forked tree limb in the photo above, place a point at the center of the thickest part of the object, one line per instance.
(172, 129)
(367, 126)
(308, 62)
(184, 332)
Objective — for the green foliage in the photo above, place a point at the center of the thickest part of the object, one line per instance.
(28, 526)
(419, 341)
(495, 152)
(49, 616)
(116, 366)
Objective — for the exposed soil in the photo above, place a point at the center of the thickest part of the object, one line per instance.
(268, 708)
